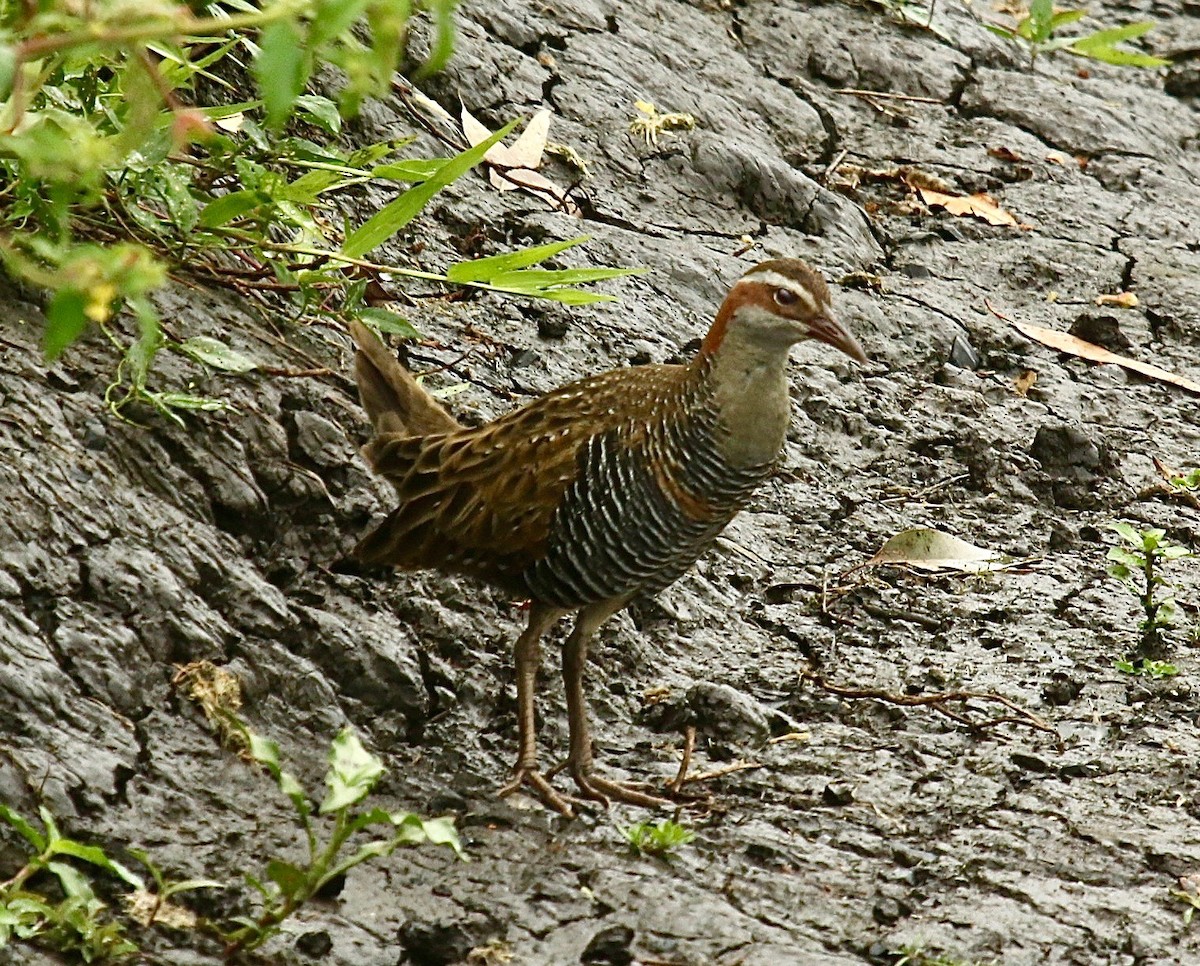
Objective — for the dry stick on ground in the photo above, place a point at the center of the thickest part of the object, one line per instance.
(939, 701)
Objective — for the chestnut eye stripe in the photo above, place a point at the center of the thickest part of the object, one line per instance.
(796, 290)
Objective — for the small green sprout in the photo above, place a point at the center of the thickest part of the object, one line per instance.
(1189, 892)
(1136, 562)
(1189, 481)
(1038, 29)
(658, 840)
(1145, 667)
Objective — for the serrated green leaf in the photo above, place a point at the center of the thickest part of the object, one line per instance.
(394, 216)
(1041, 19)
(281, 69)
(215, 353)
(441, 831)
(486, 269)
(389, 322)
(96, 856)
(74, 883)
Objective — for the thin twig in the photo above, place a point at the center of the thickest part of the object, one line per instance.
(685, 763)
(938, 703)
(884, 95)
(722, 771)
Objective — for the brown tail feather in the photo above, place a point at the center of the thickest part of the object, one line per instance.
(393, 399)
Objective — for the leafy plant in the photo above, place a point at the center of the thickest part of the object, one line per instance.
(659, 839)
(1136, 562)
(243, 194)
(1038, 30)
(1188, 892)
(77, 923)
(352, 774)
(1189, 481)
(1145, 667)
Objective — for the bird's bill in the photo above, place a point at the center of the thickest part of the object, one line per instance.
(829, 330)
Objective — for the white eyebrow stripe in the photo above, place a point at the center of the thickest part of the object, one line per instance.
(775, 280)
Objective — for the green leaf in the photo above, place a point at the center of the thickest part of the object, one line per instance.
(97, 857)
(1121, 58)
(1126, 532)
(215, 353)
(389, 322)
(264, 751)
(485, 269)
(291, 880)
(1114, 35)
(1041, 18)
(416, 169)
(227, 208)
(443, 40)
(66, 318)
(1064, 17)
(74, 883)
(184, 400)
(334, 18)
(281, 69)
(22, 825)
(441, 831)
(322, 111)
(353, 772)
(394, 216)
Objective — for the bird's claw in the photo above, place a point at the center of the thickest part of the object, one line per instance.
(533, 780)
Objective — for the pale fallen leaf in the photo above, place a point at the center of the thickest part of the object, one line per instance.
(1064, 342)
(1122, 300)
(933, 550)
(514, 167)
(231, 123)
(1057, 157)
(978, 205)
(1024, 382)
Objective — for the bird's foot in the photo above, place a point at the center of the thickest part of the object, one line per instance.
(533, 780)
(604, 790)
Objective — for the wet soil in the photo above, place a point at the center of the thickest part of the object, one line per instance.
(125, 551)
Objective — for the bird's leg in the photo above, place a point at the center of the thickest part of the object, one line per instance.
(579, 760)
(527, 657)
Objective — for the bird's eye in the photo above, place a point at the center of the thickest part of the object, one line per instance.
(785, 296)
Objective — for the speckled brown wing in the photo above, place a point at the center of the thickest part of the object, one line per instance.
(483, 501)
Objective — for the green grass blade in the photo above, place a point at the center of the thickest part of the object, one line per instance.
(1113, 35)
(486, 269)
(390, 219)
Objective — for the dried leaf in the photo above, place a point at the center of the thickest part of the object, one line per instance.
(513, 167)
(933, 550)
(1123, 300)
(1005, 153)
(145, 908)
(979, 205)
(1064, 342)
(1024, 382)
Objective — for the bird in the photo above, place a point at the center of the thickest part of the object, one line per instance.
(600, 491)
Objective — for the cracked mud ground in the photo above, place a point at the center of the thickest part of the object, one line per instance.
(126, 551)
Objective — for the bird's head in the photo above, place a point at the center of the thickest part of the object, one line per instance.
(777, 304)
